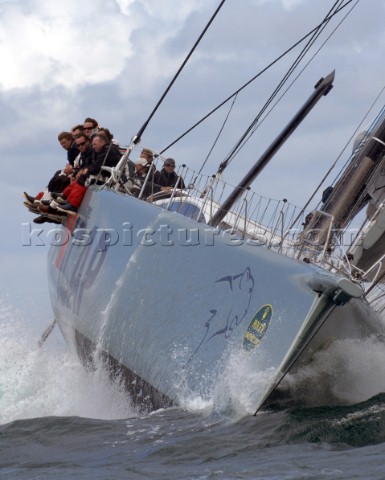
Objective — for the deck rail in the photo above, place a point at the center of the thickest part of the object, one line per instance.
(275, 223)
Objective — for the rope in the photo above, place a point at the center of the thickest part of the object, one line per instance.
(137, 137)
(253, 126)
(219, 134)
(252, 79)
(308, 63)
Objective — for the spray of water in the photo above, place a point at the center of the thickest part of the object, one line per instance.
(233, 391)
(50, 381)
(347, 372)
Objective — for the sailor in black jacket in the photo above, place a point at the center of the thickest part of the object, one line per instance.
(104, 154)
(166, 179)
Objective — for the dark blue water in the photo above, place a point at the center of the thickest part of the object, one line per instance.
(58, 421)
(176, 444)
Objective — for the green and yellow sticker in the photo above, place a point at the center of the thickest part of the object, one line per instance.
(257, 328)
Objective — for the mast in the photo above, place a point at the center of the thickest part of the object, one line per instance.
(361, 183)
(350, 192)
(322, 88)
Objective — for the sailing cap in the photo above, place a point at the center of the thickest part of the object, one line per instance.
(147, 151)
(169, 161)
(141, 161)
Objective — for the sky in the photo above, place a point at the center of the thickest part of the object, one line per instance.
(112, 60)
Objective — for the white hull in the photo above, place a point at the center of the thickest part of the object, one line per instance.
(175, 315)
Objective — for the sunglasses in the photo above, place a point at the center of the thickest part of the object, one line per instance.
(81, 144)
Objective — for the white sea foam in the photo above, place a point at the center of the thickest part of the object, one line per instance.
(50, 381)
(347, 372)
(350, 370)
(241, 385)
(234, 392)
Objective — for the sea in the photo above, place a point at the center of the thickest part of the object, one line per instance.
(59, 421)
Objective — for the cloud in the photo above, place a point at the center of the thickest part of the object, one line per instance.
(48, 44)
(58, 43)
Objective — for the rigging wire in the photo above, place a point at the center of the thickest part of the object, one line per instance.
(253, 126)
(251, 80)
(257, 125)
(309, 61)
(219, 134)
(137, 137)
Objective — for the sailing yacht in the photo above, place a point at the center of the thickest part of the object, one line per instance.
(171, 290)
